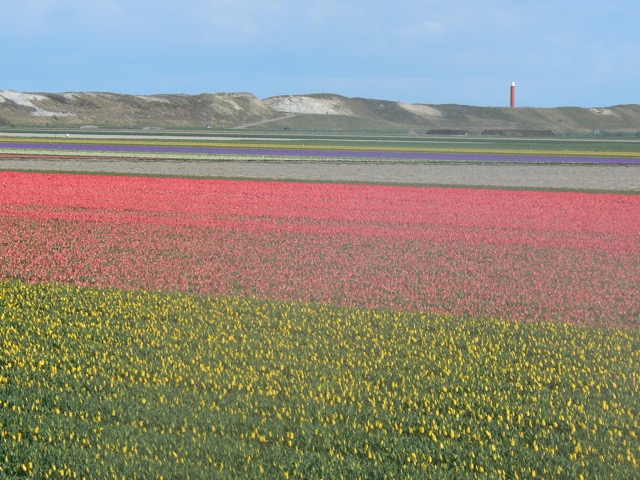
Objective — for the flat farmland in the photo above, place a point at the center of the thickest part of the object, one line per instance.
(574, 177)
(182, 317)
(544, 164)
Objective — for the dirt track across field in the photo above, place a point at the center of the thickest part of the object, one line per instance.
(590, 177)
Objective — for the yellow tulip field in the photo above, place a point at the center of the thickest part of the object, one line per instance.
(121, 384)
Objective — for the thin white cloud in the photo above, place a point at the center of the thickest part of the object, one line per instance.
(424, 30)
(231, 23)
(58, 18)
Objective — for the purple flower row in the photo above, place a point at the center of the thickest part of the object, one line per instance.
(322, 153)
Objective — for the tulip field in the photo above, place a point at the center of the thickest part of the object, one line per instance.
(106, 383)
(216, 328)
(242, 150)
(547, 256)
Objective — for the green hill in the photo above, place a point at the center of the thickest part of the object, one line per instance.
(324, 112)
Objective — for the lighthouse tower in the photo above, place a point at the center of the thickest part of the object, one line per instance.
(513, 94)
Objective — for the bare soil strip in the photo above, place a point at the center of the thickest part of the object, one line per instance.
(619, 178)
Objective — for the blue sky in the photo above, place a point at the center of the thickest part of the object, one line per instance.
(559, 52)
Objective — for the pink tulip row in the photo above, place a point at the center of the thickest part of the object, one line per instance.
(520, 255)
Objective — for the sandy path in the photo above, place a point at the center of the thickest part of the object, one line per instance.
(574, 177)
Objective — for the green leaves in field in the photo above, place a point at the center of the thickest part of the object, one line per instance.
(106, 383)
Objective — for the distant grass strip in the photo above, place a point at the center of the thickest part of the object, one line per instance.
(315, 146)
(108, 383)
(51, 154)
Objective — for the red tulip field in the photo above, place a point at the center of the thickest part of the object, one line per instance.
(514, 255)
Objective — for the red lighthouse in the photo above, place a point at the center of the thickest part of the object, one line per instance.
(513, 94)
